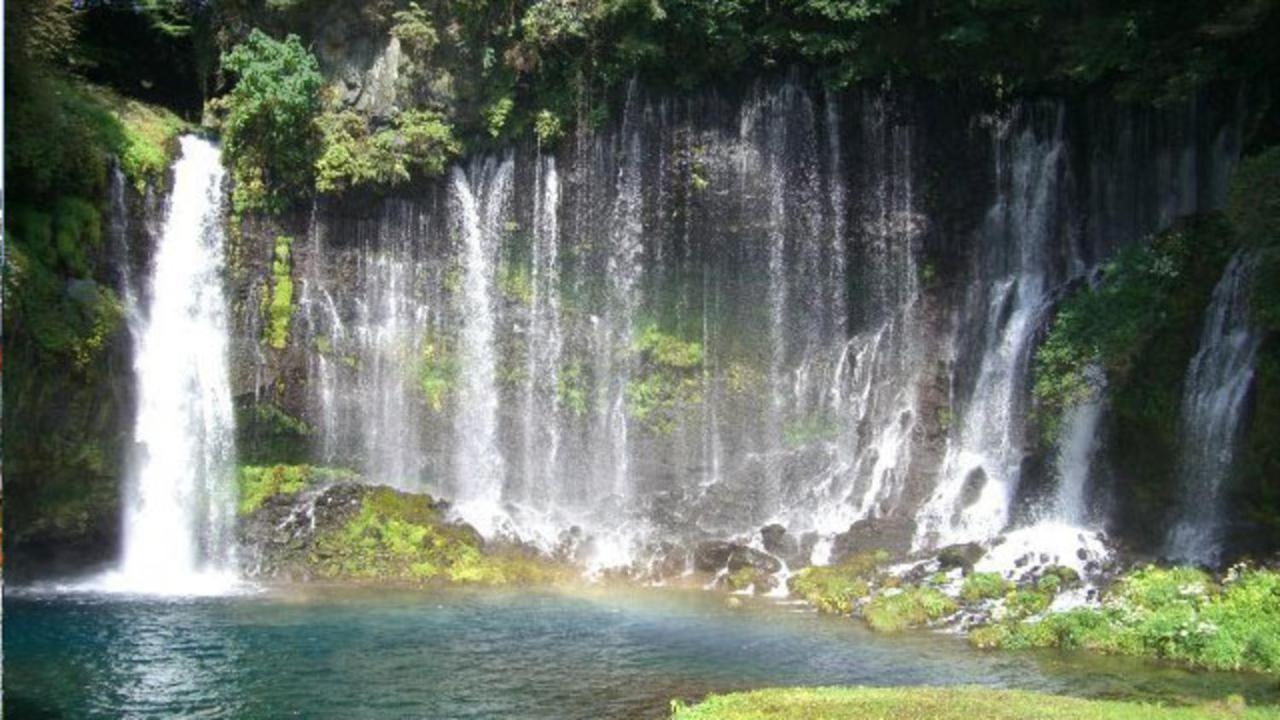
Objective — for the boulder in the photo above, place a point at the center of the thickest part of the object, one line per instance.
(743, 557)
(961, 555)
(779, 544)
(713, 555)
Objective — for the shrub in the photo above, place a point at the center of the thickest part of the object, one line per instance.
(1106, 327)
(268, 129)
(419, 142)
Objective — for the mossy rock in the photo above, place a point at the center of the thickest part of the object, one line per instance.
(361, 533)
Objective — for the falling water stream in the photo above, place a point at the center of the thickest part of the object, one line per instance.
(1216, 386)
(180, 511)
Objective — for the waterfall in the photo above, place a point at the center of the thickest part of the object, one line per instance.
(857, 359)
(983, 462)
(541, 430)
(180, 512)
(1074, 460)
(1213, 402)
(478, 462)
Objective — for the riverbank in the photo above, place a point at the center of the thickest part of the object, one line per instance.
(963, 703)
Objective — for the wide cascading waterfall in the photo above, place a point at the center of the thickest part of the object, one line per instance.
(1214, 393)
(714, 314)
(180, 512)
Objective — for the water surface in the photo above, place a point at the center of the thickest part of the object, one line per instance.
(364, 653)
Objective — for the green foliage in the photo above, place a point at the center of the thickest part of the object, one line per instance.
(548, 127)
(1027, 602)
(437, 373)
(979, 586)
(667, 350)
(571, 389)
(1254, 211)
(669, 382)
(280, 306)
(515, 281)
(402, 537)
(268, 130)
(897, 609)
(258, 483)
(266, 434)
(413, 27)
(1144, 290)
(418, 142)
(1176, 614)
(68, 321)
(836, 588)
(62, 134)
(940, 703)
(496, 115)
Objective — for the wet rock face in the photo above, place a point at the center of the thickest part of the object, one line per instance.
(778, 543)
(745, 557)
(716, 555)
(277, 539)
(712, 556)
(890, 534)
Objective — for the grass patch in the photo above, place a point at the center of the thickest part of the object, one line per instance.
(952, 703)
(835, 588)
(981, 586)
(897, 609)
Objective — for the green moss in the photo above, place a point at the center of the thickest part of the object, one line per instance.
(809, 430)
(835, 588)
(668, 382)
(1175, 614)
(437, 373)
(666, 350)
(941, 703)
(516, 283)
(402, 537)
(979, 586)
(280, 307)
(571, 389)
(891, 611)
(743, 578)
(258, 483)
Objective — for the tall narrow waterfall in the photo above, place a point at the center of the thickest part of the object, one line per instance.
(478, 463)
(982, 468)
(1213, 400)
(178, 524)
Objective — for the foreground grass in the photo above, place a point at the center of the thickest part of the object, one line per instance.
(932, 703)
